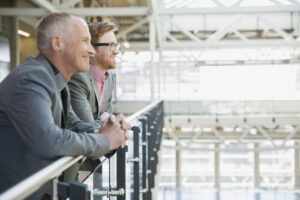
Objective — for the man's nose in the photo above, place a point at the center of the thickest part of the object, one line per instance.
(91, 50)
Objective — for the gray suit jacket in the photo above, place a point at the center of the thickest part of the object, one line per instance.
(85, 102)
(85, 95)
(31, 114)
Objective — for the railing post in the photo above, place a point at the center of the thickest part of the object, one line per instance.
(121, 171)
(145, 157)
(97, 181)
(150, 171)
(136, 171)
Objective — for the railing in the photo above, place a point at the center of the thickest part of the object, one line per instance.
(150, 127)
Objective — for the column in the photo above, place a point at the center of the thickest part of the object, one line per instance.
(217, 167)
(178, 173)
(296, 170)
(256, 167)
(152, 51)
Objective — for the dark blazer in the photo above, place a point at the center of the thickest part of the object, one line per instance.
(85, 95)
(31, 136)
(85, 102)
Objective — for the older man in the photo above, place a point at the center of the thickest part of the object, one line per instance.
(35, 104)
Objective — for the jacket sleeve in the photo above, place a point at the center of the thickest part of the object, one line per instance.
(111, 87)
(29, 108)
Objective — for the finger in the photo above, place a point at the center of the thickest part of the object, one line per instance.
(105, 115)
(127, 126)
(104, 122)
(112, 119)
(123, 144)
(119, 118)
(126, 135)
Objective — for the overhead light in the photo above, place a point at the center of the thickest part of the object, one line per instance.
(253, 131)
(126, 44)
(23, 33)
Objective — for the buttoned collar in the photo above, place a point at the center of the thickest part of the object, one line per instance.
(98, 74)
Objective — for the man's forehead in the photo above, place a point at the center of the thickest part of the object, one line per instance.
(77, 18)
(108, 36)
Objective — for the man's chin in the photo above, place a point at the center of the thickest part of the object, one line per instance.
(113, 66)
(86, 68)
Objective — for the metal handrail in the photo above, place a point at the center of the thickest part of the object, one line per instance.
(143, 110)
(35, 181)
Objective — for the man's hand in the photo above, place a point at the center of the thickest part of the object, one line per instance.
(111, 127)
(125, 127)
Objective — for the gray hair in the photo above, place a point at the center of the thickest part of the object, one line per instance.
(55, 23)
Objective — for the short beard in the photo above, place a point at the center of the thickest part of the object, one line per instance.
(109, 66)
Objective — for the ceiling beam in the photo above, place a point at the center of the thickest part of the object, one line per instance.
(232, 9)
(180, 45)
(241, 36)
(218, 3)
(69, 4)
(218, 35)
(172, 38)
(239, 137)
(45, 4)
(22, 12)
(115, 11)
(186, 32)
(144, 11)
(231, 120)
(124, 11)
(285, 35)
(131, 28)
(231, 149)
(250, 43)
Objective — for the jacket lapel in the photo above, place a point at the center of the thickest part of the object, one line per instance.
(47, 65)
(107, 90)
(94, 86)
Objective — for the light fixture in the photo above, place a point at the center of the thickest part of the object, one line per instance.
(23, 33)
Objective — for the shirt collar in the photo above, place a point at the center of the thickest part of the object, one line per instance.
(61, 81)
(98, 74)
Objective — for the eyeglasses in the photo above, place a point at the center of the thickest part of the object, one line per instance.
(112, 46)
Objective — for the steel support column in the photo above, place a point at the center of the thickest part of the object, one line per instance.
(256, 168)
(297, 167)
(178, 174)
(217, 167)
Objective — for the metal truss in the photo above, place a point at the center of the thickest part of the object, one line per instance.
(175, 36)
(230, 131)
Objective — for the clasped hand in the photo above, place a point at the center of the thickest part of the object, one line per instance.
(116, 129)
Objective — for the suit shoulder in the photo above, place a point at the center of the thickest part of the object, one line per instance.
(31, 70)
(29, 76)
(79, 77)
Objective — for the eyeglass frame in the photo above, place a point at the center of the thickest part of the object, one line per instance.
(113, 47)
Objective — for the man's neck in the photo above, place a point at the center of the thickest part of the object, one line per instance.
(59, 65)
(99, 66)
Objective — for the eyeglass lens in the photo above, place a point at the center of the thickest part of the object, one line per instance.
(114, 47)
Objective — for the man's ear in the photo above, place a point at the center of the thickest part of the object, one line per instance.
(57, 43)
